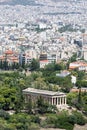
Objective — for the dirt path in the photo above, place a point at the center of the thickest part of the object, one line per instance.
(77, 127)
(51, 129)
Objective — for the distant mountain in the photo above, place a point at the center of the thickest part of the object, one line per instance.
(17, 2)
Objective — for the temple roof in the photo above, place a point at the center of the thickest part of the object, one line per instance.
(42, 92)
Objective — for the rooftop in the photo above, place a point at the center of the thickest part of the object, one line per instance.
(9, 52)
(43, 92)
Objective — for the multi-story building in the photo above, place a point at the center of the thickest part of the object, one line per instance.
(80, 65)
(43, 60)
(46, 59)
(10, 57)
(27, 56)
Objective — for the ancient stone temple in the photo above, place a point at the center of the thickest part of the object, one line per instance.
(54, 98)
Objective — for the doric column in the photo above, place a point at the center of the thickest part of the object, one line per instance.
(61, 100)
(52, 101)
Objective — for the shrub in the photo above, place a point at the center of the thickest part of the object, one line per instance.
(79, 118)
(34, 126)
(72, 119)
(4, 114)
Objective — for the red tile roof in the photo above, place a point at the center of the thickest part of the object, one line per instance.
(9, 52)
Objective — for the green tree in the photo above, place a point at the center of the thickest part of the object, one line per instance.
(79, 118)
(5, 65)
(71, 97)
(81, 75)
(1, 64)
(29, 106)
(42, 105)
(8, 96)
(71, 59)
(72, 119)
(34, 65)
(66, 84)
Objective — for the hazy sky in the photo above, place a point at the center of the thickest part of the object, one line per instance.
(15, 2)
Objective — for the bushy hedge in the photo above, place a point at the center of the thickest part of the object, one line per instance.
(63, 120)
